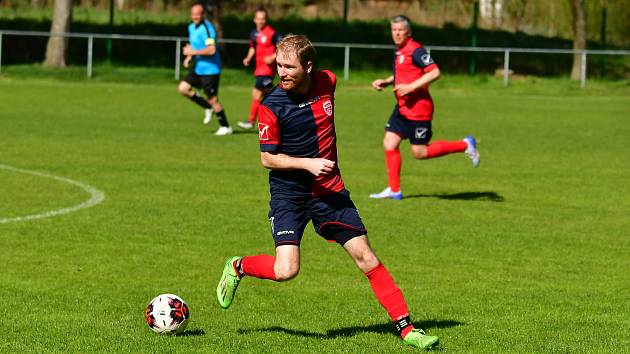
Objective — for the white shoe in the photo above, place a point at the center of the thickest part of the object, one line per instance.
(471, 150)
(207, 116)
(388, 194)
(223, 131)
(245, 125)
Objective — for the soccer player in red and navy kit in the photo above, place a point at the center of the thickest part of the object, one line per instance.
(414, 70)
(298, 144)
(262, 47)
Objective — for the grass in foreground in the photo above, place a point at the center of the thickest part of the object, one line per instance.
(529, 253)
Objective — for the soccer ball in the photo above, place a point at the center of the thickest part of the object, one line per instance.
(167, 313)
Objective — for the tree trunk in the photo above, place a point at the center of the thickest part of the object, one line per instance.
(56, 48)
(579, 36)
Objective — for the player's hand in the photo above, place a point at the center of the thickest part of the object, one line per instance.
(188, 50)
(320, 167)
(187, 62)
(246, 62)
(269, 60)
(404, 89)
(379, 84)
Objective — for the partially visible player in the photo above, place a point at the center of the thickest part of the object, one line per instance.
(262, 46)
(207, 68)
(414, 70)
(298, 144)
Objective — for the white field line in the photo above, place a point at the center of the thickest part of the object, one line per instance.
(96, 196)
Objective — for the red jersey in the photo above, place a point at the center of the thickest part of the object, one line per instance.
(411, 61)
(301, 126)
(264, 42)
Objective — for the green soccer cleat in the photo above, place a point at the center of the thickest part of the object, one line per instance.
(417, 338)
(228, 283)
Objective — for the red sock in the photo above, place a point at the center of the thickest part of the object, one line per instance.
(260, 266)
(440, 148)
(389, 295)
(253, 111)
(394, 163)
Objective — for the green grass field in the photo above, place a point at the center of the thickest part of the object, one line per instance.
(528, 253)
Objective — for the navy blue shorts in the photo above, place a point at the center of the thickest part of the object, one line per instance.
(264, 82)
(334, 217)
(418, 131)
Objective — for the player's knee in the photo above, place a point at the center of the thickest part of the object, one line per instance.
(366, 260)
(183, 88)
(286, 272)
(419, 152)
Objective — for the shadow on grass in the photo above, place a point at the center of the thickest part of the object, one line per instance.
(192, 333)
(385, 328)
(480, 196)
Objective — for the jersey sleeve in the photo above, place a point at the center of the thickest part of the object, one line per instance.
(252, 39)
(276, 38)
(210, 35)
(331, 79)
(422, 59)
(268, 130)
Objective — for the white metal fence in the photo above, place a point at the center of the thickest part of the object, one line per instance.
(177, 41)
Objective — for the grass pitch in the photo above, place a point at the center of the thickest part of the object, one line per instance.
(528, 253)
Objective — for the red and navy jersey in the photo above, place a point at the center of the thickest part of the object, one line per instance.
(301, 126)
(411, 61)
(264, 42)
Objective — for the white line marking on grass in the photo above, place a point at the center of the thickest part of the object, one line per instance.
(96, 196)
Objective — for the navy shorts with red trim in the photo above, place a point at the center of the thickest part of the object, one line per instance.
(418, 131)
(334, 217)
(263, 82)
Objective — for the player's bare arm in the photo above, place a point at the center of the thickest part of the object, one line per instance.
(426, 79)
(209, 50)
(248, 58)
(282, 162)
(187, 61)
(270, 59)
(380, 84)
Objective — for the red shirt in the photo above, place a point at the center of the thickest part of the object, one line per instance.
(301, 126)
(411, 61)
(264, 42)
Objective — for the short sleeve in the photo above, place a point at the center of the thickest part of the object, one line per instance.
(268, 130)
(422, 59)
(276, 38)
(210, 35)
(252, 39)
(331, 79)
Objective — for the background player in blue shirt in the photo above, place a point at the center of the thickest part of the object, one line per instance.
(207, 68)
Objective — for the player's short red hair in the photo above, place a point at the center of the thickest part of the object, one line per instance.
(299, 45)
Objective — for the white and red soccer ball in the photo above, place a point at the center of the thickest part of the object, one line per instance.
(167, 313)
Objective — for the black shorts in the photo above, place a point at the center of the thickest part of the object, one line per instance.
(418, 131)
(334, 217)
(263, 82)
(209, 83)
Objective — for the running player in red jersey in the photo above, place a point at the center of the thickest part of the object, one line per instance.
(262, 46)
(298, 144)
(414, 70)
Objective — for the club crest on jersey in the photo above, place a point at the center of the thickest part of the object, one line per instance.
(328, 107)
(309, 102)
(401, 58)
(263, 38)
(263, 131)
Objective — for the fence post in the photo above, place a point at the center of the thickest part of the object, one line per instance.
(506, 68)
(178, 51)
(89, 56)
(346, 62)
(583, 70)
